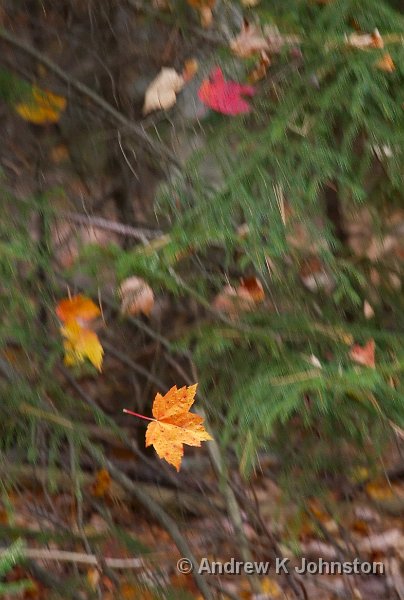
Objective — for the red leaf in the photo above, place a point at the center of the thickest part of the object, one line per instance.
(364, 355)
(225, 96)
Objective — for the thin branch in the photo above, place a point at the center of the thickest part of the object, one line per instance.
(80, 557)
(139, 233)
(157, 147)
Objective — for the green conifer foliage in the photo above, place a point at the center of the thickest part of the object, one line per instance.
(321, 149)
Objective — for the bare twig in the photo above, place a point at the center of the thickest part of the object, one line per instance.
(157, 147)
(139, 233)
(80, 557)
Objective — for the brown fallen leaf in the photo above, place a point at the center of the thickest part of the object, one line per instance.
(360, 526)
(271, 588)
(102, 483)
(244, 298)
(137, 296)
(249, 41)
(260, 69)
(379, 490)
(251, 288)
(162, 92)
(190, 69)
(250, 3)
(386, 63)
(204, 7)
(59, 153)
(364, 355)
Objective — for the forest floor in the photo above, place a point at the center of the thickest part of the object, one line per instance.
(92, 167)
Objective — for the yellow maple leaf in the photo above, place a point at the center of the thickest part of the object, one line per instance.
(81, 343)
(42, 108)
(78, 308)
(173, 425)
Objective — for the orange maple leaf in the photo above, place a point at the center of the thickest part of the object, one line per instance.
(78, 308)
(81, 343)
(173, 425)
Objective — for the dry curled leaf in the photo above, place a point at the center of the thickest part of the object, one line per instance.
(162, 92)
(190, 69)
(137, 296)
(260, 69)
(244, 298)
(368, 310)
(251, 288)
(79, 307)
(173, 425)
(363, 41)
(250, 3)
(81, 343)
(42, 108)
(364, 355)
(249, 41)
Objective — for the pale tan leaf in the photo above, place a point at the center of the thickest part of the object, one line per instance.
(137, 296)
(368, 310)
(363, 41)
(162, 92)
(277, 40)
